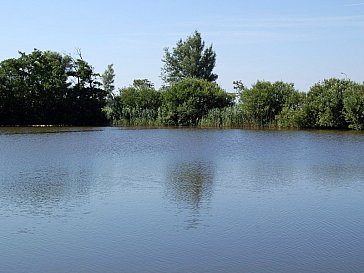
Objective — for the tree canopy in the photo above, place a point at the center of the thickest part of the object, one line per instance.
(137, 104)
(49, 88)
(187, 101)
(189, 59)
(108, 78)
(265, 100)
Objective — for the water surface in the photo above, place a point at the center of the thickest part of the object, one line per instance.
(159, 200)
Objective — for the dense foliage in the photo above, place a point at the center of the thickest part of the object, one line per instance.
(138, 105)
(265, 100)
(187, 101)
(189, 59)
(183, 103)
(331, 104)
(49, 88)
(354, 106)
(56, 89)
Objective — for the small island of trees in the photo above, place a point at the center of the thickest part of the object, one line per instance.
(46, 87)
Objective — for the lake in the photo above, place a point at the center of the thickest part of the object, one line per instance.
(180, 200)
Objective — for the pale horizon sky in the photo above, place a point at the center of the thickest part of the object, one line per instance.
(302, 42)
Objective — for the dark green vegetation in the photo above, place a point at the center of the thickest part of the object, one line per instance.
(51, 88)
(331, 104)
(189, 59)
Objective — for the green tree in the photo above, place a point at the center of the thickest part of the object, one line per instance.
(187, 101)
(264, 101)
(354, 106)
(86, 98)
(140, 95)
(139, 102)
(292, 113)
(325, 104)
(35, 85)
(49, 88)
(108, 78)
(189, 59)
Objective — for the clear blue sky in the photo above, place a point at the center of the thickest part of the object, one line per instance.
(301, 41)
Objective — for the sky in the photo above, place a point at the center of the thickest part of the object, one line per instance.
(296, 41)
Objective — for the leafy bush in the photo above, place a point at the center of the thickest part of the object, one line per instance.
(354, 106)
(187, 101)
(265, 100)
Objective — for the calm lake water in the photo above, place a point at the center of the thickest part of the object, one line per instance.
(183, 200)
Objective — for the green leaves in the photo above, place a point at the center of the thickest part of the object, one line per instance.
(49, 88)
(189, 59)
(139, 101)
(265, 100)
(325, 104)
(187, 101)
(108, 80)
(354, 106)
(182, 104)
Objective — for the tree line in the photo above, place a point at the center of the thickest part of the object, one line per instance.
(52, 88)
(49, 88)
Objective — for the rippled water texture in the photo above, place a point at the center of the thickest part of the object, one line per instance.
(120, 200)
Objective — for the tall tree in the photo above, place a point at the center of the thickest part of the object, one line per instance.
(189, 59)
(108, 81)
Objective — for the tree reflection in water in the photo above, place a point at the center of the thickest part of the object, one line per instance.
(190, 186)
(44, 192)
